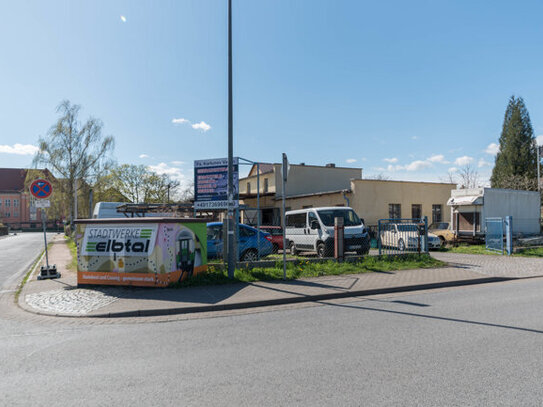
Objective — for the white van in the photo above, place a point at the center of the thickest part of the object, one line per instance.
(312, 229)
(107, 210)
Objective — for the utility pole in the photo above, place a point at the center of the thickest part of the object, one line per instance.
(230, 214)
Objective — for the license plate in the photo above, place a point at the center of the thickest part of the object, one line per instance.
(357, 246)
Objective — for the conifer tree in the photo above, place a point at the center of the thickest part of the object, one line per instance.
(516, 159)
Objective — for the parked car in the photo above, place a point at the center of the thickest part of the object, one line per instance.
(276, 233)
(249, 240)
(405, 236)
(312, 229)
(443, 231)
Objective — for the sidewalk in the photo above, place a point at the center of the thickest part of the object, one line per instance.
(61, 297)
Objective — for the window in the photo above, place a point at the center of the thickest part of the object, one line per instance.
(265, 185)
(394, 211)
(296, 220)
(349, 217)
(416, 211)
(7, 214)
(15, 203)
(214, 232)
(16, 214)
(0, 202)
(248, 188)
(246, 232)
(311, 217)
(8, 203)
(436, 213)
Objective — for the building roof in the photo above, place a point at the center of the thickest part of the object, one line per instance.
(265, 168)
(13, 179)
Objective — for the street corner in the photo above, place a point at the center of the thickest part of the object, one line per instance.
(67, 302)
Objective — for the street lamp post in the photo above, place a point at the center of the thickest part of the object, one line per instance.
(230, 214)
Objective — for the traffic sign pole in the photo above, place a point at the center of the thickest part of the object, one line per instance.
(41, 190)
(45, 237)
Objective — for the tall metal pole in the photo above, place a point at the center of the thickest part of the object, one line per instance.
(45, 238)
(283, 222)
(258, 207)
(230, 217)
(538, 170)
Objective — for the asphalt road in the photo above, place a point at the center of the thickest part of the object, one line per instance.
(470, 346)
(17, 253)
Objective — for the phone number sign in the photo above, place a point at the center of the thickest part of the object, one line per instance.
(211, 183)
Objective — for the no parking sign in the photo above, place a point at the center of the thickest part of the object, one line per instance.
(41, 189)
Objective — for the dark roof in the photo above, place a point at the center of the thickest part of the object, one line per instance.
(13, 179)
(265, 168)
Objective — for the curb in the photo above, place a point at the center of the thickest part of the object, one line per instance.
(283, 301)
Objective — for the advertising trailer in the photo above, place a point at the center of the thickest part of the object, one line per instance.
(152, 252)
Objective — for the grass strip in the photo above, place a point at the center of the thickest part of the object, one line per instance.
(73, 251)
(481, 249)
(215, 276)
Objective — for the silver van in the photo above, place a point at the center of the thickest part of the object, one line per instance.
(312, 229)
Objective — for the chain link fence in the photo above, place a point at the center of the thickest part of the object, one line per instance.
(399, 236)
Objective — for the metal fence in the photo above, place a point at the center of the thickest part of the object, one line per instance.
(306, 239)
(494, 231)
(400, 236)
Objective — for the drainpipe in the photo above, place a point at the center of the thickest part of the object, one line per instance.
(346, 199)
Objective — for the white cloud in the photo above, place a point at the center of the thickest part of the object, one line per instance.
(539, 140)
(464, 160)
(492, 149)
(391, 160)
(179, 121)
(413, 166)
(19, 149)
(453, 169)
(178, 162)
(201, 126)
(123, 19)
(414, 137)
(173, 172)
(483, 163)
(438, 158)
(417, 165)
(350, 160)
(144, 156)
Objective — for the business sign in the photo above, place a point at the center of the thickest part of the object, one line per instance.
(140, 254)
(41, 189)
(211, 183)
(137, 240)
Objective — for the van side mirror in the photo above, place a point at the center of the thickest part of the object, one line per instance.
(315, 224)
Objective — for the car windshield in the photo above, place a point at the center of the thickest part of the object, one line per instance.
(407, 228)
(439, 226)
(350, 218)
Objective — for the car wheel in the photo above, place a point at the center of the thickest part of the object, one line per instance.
(321, 250)
(401, 245)
(293, 250)
(275, 248)
(250, 255)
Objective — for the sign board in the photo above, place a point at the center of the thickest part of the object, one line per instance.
(41, 189)
(211, 183)
(125, 240)
(138, 253)
(42, 203)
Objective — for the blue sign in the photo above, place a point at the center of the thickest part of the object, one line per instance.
(41, 188)
(211, 183)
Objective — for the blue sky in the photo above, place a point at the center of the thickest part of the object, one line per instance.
(404, 89)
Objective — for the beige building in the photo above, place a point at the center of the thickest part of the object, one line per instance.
(315, 186)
